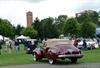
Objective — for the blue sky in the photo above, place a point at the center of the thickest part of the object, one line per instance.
(15, 10)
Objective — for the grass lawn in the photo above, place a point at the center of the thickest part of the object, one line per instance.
(91, 56)
(16, 58)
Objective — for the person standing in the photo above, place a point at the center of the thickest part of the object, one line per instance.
(76, 42)
(17, 45)
(9, 46)
(98, 41)
(0, 46)
(84, 44)
(25, 42)
(29, 48)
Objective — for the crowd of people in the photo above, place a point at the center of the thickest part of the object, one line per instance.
(10, 45)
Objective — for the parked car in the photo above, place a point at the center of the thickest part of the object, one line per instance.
(57, 48)
(31, 45)
(91, 44)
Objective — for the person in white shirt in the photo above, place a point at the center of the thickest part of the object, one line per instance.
(8, 46)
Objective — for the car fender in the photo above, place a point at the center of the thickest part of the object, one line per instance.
(52, 55)
(38, 52)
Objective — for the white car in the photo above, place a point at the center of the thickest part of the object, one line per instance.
(90, 44)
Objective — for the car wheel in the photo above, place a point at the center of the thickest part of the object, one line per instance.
(51, 61)
(73, 60)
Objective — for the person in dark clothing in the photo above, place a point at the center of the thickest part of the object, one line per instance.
(84, 44)
(0, 46)
(17, 45)
(25, 42)
(29, 47)
(98, 41)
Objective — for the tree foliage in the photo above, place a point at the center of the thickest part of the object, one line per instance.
(88, 15)
(83, 24)
(18, 30)
(6, 29)
(88, 20)
(48, 28)
(88, 29)
(29, 31)
(37, 26)
(60, 22)
(72, 27)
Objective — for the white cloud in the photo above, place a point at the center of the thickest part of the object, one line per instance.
(15, 11)
(25, 0)
(33, 0)
(89, 4)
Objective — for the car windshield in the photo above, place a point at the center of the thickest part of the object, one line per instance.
(64, 45)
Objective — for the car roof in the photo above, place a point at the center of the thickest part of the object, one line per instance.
(54, 42)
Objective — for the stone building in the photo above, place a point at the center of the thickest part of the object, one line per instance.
(29, 16)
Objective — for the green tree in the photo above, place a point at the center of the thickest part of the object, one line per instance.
(46, 28)
(6, 28)
(72, 27)
(37, 26)
(29, 31)
(88, 29)
(18, 30)
(49, 29)
(87, 15)
(60, 22)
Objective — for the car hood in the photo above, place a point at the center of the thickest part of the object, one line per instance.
(64, 49)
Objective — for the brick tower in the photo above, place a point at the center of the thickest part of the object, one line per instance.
(29, 16)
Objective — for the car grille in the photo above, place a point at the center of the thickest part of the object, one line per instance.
(67, 53)
(75, 52)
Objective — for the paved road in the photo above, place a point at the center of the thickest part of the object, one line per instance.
(79, 65)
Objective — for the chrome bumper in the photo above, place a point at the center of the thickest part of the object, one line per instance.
(69, 56)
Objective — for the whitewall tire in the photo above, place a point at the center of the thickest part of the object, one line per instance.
(34, 57)
(51, 61)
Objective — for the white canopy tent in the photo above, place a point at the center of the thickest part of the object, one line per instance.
(22, 37)
(5, 38)
(1, 37)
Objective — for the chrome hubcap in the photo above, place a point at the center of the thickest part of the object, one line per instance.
(50, 61)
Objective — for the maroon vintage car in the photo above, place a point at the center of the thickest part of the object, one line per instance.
(57, 48)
